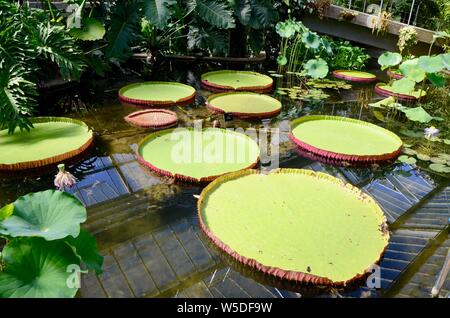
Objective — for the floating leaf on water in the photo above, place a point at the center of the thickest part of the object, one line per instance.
(439, 168)
(446, 141)
(407, 159)
(280, 92)
(409, 151)
(387, 102)
(438, 160)
(445, 156)
(423, 157)
(276, 75)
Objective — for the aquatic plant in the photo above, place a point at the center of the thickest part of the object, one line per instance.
(45, 246)
(29, 43)
(407, 37)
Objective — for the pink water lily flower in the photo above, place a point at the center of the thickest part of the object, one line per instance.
(64, 179)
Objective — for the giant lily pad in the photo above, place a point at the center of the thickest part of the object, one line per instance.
(343, 138)
(36, 268)
(355, 76)
(245, 104)
(51, 141)
(150, 94)
(228, 80)
(197, 155)
(49, 214)
(316, 68)
(389, 59)
(387, 90)
(294, 224)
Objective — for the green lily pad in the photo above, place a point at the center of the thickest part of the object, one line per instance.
(407, 159)
(412, 71)
(85, 247)
(316, 68)
(446, 156)
(431, 64)
(409, 151)
(36, 268)
(441, 161)
(49, 214)
(423, 157)
(92, 30)
(389, 59)
(438, 167)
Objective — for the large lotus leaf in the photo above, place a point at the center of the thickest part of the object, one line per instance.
(36, 268)
(431, 64)
(387, 102)
(49, 214)
(92, 30)
(446, 60)
(316, 68)
(403, 86)
(417, 114)
(436, 79)
(411, 70)
(85, 247)
(311, 40)
(287, 29)
(389, 59)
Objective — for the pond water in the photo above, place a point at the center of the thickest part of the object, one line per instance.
(146, 225)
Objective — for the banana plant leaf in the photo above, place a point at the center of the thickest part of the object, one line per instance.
(49, 214)
(36, 268)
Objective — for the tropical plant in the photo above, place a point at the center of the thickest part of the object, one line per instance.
(45, 246)
(29, 43)
(346, 56)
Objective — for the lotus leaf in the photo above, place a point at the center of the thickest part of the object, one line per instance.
(49, 214)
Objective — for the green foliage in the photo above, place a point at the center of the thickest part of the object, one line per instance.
(316, 68)
(256, 14)
(36, 268)
(45, 246)
(28, 43)
(158, 12)
(210, 39)
(214, 12)
(123, 30)
(389, 59)
(345, 56)
(49, 214)
(91, 30)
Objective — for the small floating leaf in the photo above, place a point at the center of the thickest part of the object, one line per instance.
(409, 151)
(438, 160)
(423, 157)
(407, 159)
(439, 168)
